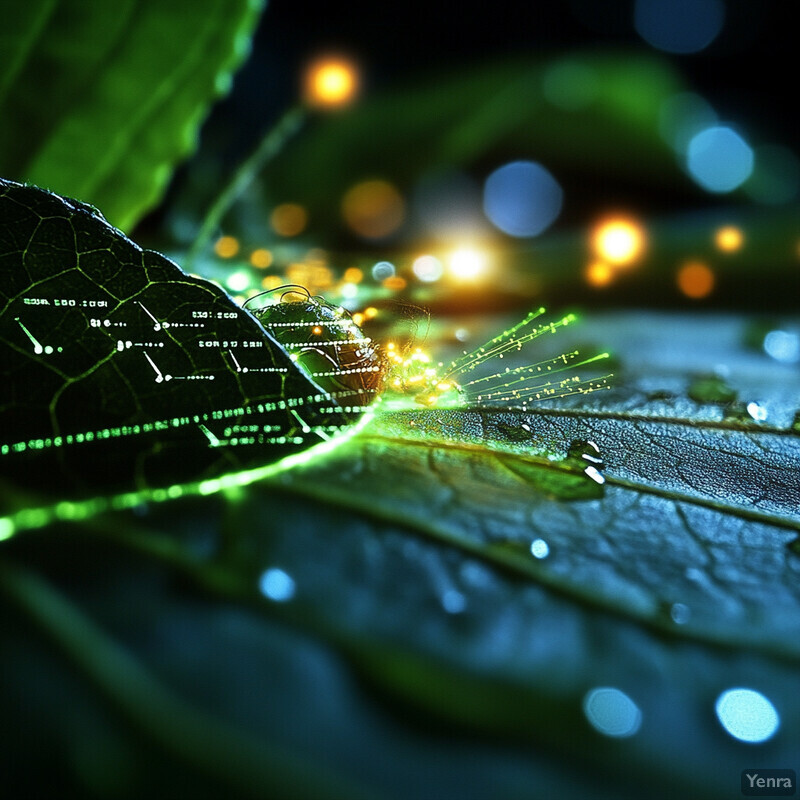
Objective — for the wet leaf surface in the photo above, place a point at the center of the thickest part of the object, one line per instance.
(429, 609)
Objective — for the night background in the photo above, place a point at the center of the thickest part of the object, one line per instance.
(398, 531)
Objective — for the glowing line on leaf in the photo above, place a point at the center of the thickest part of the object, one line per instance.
(68, 511)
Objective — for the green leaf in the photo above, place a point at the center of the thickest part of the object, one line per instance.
(123, 371)
(376, 621)
(100, 102)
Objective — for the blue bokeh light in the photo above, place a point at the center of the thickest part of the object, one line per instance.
(679, 26)
(611, 712)
(522, 198)
(277, 585)
(719, 159)
(747, 715)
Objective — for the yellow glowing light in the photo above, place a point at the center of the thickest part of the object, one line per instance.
(272, 281)
(467, 263)
(288, 219)
(695, 279)
(261, 258)
(390, 345)
(394, 283)
(226, 246)
(599, 274)
(331, 81)
(619, 241)
(729, 238)
(316, 330)
(370, 312)
(373, 209)
(358, 318)
(353, 275)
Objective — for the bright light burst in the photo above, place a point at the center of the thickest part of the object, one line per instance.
(618, 241)
(331, 81)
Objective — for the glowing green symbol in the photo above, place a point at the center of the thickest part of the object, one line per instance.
(37, 347)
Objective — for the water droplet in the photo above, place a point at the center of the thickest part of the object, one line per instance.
(514, 433)
(453, 602)
(277, 585)
(540, 548)
(611, 712)
(680, 613)
(757, 411)
(747, 715)
(587, 453)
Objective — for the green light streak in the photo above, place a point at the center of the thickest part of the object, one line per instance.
(68, 511)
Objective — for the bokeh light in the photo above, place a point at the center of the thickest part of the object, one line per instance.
(383, 270)
(277, 585)
(288, 219)
(428, 268)
(776, 176)
(540, 549)
(679, 26)
(728, 238)
(238, 281)
(618, 240)
(522, 198)
(747, 715)
(695, 279)
(467, 263)
(783, 346)
(331, 81)
(599, 274)
(611, 712)
(373, 209)
(261, 258)
(226, 246)
(719, 159)
(683, 115)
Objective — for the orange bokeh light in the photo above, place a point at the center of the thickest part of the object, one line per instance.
(618, 241)
(373, 208)
(695, 279)
(226, 246)
(331, 81)
(288, 219)
(599, 274)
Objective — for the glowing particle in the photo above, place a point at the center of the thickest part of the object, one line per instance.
(238, 281)
(370, 312)
(618, 241)
(226, 246)
(348, 290)
(467, 263)
(599, 274)
(353, 275)
(394, 284)
(428, 268)
(277, 585)
(522, 198)
(383, 270)
(540, 548)
(728, 238)
(611, 712)
(695, 280)
(373, 209)
(679, 26)
(288, 219)
(719, 159)
(331, 81)
(261, 258)
(747, 715)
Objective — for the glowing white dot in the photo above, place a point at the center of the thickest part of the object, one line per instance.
(466, 263)
(679, 26)
(747, 715)
(277, 585)
(522, 198)
(719, 159)
(428, 268)
(757, 411)
(238, 281)
(540, 548)
(611, 712)
(782, 346)
(383, 270)
(349, 290)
